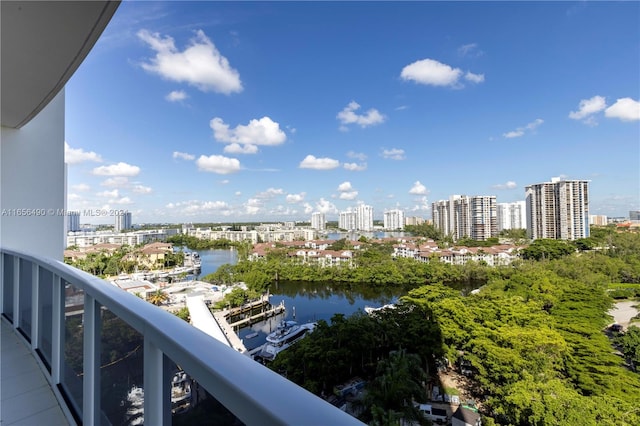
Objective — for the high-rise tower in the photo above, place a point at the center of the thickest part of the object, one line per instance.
(558, 209)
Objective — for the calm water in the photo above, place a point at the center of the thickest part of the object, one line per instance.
(304, 301)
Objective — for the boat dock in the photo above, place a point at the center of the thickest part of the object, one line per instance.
(217, 324)
(248, 307)
(233, 339)
(264, 314)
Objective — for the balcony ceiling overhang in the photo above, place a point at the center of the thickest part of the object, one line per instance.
(42, 44)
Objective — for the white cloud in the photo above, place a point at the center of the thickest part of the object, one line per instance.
(183, 155)
(236, 148)
(534, 124)
(120, 169)
(176, 96)
(196, 207)
(199, 65)
(357, 155)
(81, 187)
(118, 181)
(345, 186)
(218, 164)
(588, 107)
(431, 72)
(423, 205)
(245, 139)
(123, 200)
(141, 189)
(109, 194)
(370, 118)
(393, 154)
(296, 198)
(625, 109)
(270, 193)
(253, 206)
(73, 197)
(418, 189)
(326, 207)
(348, 195)
(355, 167)
(470, 50)
(520, 131)
(509, 185)
(474, 78)
(311, 162)
(78, 155)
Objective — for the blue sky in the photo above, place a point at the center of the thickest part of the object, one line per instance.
(259, 111)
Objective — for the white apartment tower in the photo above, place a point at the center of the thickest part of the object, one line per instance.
(512, 215)
(463, 216)
(393, 219)
(318, 221)
(364, 217)
(558, 209)
(123, 221)
(347, 220)
(443, 215)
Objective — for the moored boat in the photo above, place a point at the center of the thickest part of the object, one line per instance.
(286, 334)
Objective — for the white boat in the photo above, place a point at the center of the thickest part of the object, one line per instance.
(286, 334)
(180, 393)
(371, 310)
(135, 406)
(192, 259)
(180, 399)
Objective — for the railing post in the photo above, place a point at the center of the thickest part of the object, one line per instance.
(157, 398)
(35, 305)
(57, 330)
(91, 362)
(16, 292)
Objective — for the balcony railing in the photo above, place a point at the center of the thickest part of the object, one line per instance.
(60, 311)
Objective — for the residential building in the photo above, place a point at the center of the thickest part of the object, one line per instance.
(347, 220)
(394, 220)
(465, 216)
(122, 221)
(634, 215)
(598, 219)
(512, 215)
(414, 220)
(73, 221)
(318, 221)
(558, 209)
(43, 300)
(364, 218)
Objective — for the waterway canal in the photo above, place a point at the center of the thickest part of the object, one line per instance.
(303, 301)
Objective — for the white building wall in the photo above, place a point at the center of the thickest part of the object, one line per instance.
(347, 220)
(318, 221)
(364, 218)
(512, 215)
(393, 219)
(32, 174)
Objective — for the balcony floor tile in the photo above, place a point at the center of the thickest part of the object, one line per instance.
(26, 396)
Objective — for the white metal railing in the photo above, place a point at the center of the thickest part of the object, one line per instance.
(252, 392)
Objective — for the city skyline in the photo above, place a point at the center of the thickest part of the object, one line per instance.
(238, 111)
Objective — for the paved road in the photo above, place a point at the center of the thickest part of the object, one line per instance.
(623, 312)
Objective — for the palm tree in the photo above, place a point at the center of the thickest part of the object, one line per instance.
(158, 297)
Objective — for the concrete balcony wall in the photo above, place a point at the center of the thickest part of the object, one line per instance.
(32, 186)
